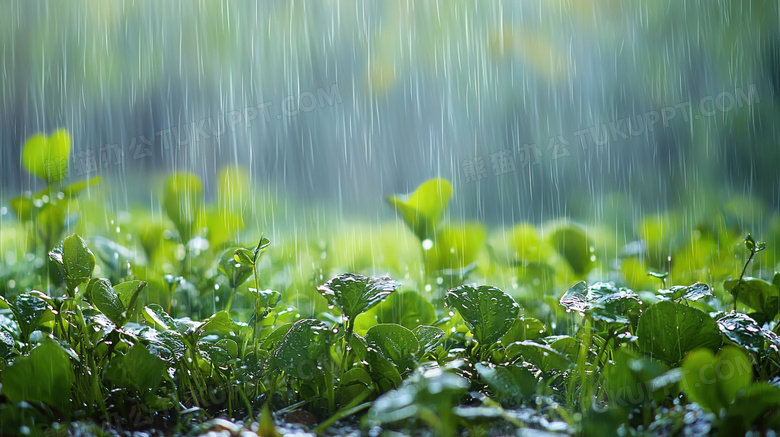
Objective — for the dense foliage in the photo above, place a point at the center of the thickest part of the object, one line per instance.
(181, 336)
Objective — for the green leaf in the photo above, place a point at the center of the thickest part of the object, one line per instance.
(182, 201)
(354, 294)
(302, 347)
(690, 293)
(261, 246)
(407, 308)
(574, 245)
(235, 271)
(28, 312)
(47, 157)
(75, 259)
(220, 324)
(523, 328)
(511, 383)
(353, 383)
(669, 330)
(487, 310)
(540, 355)
(757, 294)
(397, 343)
(628, 379)
(244, 257)
(215, 354)
(128, 293)
(713, 381)
(745, 332)
(455, 248)
(429, 338)
(156, 315)
(46, 375)
(7, 344)
(169, 345)
(103, 296)
(422, 209)
(751, 403)
(137, 370)
(430, 391)
(602, 301)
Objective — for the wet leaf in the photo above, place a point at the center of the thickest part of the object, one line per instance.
(299, 353)
(744, 332)
(602, 301)
(540, 355)
(429, 338)
(103, 296)
(757, 294)
(668, 331)
(523, 328)
(397, 343)
(487, 310)
(128, 293)
(509, 382)
(354, 294)
(28, 311)
(74, 259)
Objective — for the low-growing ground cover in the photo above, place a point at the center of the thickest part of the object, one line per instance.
(173, 327)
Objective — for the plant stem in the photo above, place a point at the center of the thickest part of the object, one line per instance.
(741, 276)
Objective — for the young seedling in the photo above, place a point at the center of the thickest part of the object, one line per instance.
(661, 276)
(249, 258)
(754, 247)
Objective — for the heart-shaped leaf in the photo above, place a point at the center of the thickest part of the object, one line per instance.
(713, 381)
(47, 157)
(300, 350)
(422, 209)
(397, 343)
(354, 294)
(669, 330)
(487, 310)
